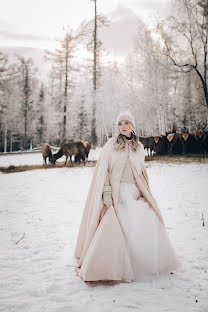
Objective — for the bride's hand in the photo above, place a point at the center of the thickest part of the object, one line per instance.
(107, 198)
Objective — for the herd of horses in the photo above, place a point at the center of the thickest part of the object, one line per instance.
(79, 149)
(172, 143)
(177, 143)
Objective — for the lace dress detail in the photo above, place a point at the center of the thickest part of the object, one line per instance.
(127, 174)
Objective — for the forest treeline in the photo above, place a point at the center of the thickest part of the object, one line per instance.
(163, 82)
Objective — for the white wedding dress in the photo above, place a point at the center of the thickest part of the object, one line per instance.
(149, 252)
(148, 249)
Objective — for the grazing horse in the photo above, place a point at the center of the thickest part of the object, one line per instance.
(87, 147)
(47, 153)
(69, 149)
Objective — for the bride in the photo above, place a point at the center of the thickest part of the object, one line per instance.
(122, 235)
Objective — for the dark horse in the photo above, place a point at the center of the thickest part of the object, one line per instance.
(69, 149)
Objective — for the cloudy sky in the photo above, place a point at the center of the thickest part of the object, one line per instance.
(37, 23)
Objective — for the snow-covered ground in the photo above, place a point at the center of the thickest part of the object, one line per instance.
(44, 208)
(36, 158)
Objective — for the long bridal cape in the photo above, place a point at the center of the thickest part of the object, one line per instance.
(100, 243)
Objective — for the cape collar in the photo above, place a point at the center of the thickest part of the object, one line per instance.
(127, 139)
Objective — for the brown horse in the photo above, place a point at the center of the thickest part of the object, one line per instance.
(47, 153)
(69, 149)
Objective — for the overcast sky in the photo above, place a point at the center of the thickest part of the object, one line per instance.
(37, 23)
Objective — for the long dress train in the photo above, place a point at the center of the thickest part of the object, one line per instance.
(149, 251)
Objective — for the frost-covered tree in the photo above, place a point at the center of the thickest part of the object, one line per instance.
(185, 38)
(7, 103)
(27, 83)
(64, 79)
(41, 116)
(94, 45)
(83, 120)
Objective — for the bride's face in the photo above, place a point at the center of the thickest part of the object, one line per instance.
(125, 127)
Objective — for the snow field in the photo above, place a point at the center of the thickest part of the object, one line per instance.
(37, 273)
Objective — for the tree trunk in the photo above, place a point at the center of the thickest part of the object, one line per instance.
(11, 143)
(5, 138)
(93, 128)
(26, 96)
(65, 88)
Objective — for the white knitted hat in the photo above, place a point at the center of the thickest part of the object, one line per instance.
(125, 116)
